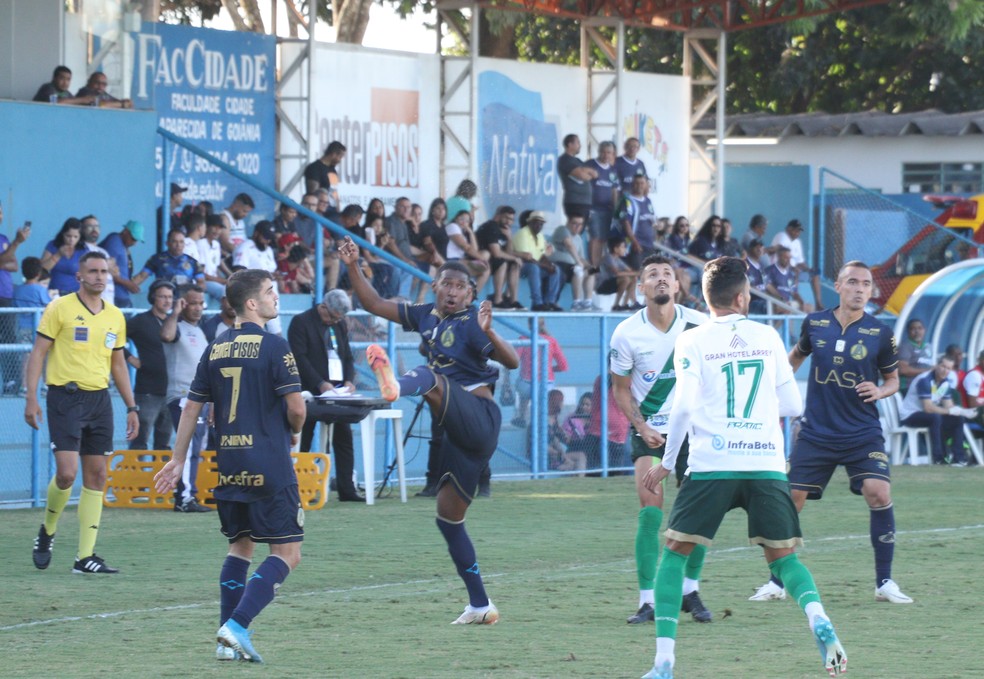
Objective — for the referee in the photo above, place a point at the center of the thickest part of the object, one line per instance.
(83, 338)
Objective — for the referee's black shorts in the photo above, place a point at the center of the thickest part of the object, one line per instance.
(80, 420)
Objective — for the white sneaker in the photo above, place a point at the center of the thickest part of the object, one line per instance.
(889, 591)
(770, 591)
(488, 615)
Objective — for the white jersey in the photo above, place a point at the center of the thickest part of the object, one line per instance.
(643, 351)
(248, 255)
(728, 373)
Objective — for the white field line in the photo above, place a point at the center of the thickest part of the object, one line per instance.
(595, 569)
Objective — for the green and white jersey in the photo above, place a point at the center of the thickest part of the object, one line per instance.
(641, 350)
(728, 373)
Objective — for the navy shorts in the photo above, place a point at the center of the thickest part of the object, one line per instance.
(275, 519)
(80, 420)
(470, 434)
(811, 465)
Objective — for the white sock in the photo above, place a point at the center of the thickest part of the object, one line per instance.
(665, 652)
(647, 596)
(814, 610)
(690, 586)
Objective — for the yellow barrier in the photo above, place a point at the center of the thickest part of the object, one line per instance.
(130, 479)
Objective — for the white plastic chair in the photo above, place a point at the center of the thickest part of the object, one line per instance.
(903, 441)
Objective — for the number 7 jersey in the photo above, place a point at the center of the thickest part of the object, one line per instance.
(728, 372)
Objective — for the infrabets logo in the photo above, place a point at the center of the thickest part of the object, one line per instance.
(517, 146)
(645, 129)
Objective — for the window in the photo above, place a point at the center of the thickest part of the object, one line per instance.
(943, 177)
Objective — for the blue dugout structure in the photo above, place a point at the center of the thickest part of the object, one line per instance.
(950, 303)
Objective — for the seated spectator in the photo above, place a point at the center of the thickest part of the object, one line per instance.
(616, 278)
(556, 362)
(194, 231)
(728, 244)
(495, 238)
(57, 92)
(544, 277)
(559, 456)
(463, 247)
(431, 231)
(293, 265)
(423, 248)
(678, 240)
(399, 245)
(376, 208)
(175, 218)
(929, 403)
(973, 387)
(782, 280)
(260, 251)
(462, 199)
(173, 264)
(576, 424)
(569, 255)
(790, 238)
(95, 87)
(384, 278)
(662, 229)
(61, 257)
(915, 354)
(618, 431)
(416, 213)
(756, 277)
(234, 218)
(707, 243)
(284, 221)
(205, 209)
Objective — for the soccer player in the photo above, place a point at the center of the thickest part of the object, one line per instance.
(82, 337)
(641, 363)
(733, 383)
(457, 385)
(849, 349)
(251, 377)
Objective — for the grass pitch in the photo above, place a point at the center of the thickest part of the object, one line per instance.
(376, 591)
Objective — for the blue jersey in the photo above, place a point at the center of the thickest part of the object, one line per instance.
(842, 358)
(246, 372)
(602, 195)
(784, 282)
(456, 346)
(628, 170)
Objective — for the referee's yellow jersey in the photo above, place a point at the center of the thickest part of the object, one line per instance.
(83, 342)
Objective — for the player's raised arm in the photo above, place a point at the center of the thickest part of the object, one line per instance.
(504, 352)
(348, 252)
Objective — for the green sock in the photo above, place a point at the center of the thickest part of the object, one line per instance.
(797, 579)
(695, 562)
(57, 499)
(669, 594)
(647, 545)
(90, 511)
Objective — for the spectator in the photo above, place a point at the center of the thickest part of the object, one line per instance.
(384, 278)
(174, 213)
(679, 241)
(184, 343)
(205, 209)
(756, 231)
(555, 360)
(463, 247)
(259, 252)
(576, 425)
(416, 214)
(781, 281)
(31, 294)
(8, 263)
(326, 207)
(210, 258)
(756, 277)
(323, 173)
(568, 254)
(495, 238)
(172, 264)
(707, 244)
(544, 276)
(618, 430)
(215, 325)
(234, 231)
(284, 221)
(930, 403)
(604, 192)
(790, 238)
(628, 166)
(399, 245)
(616, 278)
(462, 199)
(576, 177)
(293, 265)
(95, 87)
(61, 257)
(57, 92)
(376, 208)
(915, 354)
(559, 456)
(728, 244)
(679, 238)
(432, 233)
(636, 217)
(307, 228)
(662, 229)
(118, 246)
(90, 238)
(150, 390)
(194, 231)
(973, 383)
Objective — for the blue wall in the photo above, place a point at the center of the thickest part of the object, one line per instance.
(780, 192)
(42, 178)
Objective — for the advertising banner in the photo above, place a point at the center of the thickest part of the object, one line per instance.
(216, 89)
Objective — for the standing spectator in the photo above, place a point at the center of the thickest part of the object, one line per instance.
(604, 191)
(576, 178)
(707, 243)
(462, 200)
(931, 402)
(172, 264)
(61, 257)
(628, 166)
(543, 275)
(463, 247)
(174, 220)
(915, 353)
(57, 92)
(210, 258)
(215, 325)
(399, 244)
(323, 173)
(782, 279)
(8, 263)
(150, 389)
(636, 217)
(81, 356)
(556, 363)
(31, 294)
(308, 230)
(90, 238)
(319, 340)
(756, 231)
(495, 237)
(568, 254)
(184, 343)
(618, 430)
(790, 238)
(118, 246)
(234, 231)
(756, 277)
(259, 252)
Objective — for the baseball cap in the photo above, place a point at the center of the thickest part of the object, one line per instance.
(536, 216)
(136, 230)
(175, 188)
(795, 224)
(265, 229)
